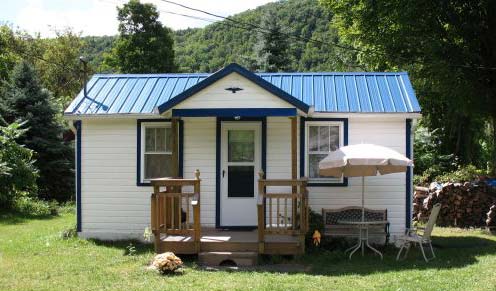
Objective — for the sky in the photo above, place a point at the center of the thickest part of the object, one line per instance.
(98, 17)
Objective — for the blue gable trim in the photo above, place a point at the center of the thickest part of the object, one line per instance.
(303, 152)
(232, 112)
(408, 197)
(138, 147)
(77, 124)
(224, 72)
(218, 165)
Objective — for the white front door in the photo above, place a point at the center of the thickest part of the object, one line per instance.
(240, 164)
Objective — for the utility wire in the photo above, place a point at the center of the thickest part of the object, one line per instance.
(315, 40)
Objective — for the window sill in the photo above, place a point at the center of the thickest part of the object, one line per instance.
(142, 184)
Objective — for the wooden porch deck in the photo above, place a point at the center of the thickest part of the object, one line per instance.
(218, 240)
(282, 219)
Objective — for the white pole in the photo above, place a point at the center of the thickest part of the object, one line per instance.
(363, 198)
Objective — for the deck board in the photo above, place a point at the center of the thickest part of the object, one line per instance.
(217, 235)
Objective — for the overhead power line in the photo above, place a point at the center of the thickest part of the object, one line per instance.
(247, 24)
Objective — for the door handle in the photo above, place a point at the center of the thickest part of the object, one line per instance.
(223, 173)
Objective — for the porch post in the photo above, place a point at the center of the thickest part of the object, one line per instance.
(294, 167)
(175, 148)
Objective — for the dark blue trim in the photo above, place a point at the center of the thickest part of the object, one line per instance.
(78, 125)
(232, 112)
(302, 149)
(138, 147)
(224, 72)
(237, 227)
(218, 128)
(408, 151)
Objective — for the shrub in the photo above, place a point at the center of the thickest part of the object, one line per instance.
(462, 174)
(34, 207)
(17, 171)
(69, 232)
(429, 159)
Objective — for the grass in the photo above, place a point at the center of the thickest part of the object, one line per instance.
(33, 256)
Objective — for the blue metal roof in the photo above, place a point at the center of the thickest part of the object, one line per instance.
(327, 92)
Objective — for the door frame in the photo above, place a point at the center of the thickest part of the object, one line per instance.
(218, 165)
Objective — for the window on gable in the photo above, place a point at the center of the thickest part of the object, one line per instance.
(321, 139)
(156, 147)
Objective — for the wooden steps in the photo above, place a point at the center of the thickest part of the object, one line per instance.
(240, 259)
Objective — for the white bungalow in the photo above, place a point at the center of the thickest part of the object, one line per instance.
(230, 125)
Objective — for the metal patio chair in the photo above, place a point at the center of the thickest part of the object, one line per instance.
(413, 236)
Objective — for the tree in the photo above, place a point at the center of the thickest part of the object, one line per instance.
(448, 48)
(17, 171)
(272, 46)
(144, 44)
(25, 98)
(60, 70)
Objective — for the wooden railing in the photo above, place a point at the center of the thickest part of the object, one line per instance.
(175, 211)
(282, 213)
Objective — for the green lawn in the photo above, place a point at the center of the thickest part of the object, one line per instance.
(33, 256)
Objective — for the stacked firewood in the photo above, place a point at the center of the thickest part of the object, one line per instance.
(463, 204)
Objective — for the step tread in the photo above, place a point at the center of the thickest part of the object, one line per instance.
(228, 253)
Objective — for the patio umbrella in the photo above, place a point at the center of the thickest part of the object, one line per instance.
(363, 160)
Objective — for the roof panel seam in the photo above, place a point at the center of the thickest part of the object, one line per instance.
(404, 93)
(357, 95)
(368, 93)
(149, 95)
(120, 90)
(92, 99)
(379, 94)
(390, 94)
(127, 96)
(346, 94)
(161, 91)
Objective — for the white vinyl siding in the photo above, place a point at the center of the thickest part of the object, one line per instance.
(114, 207)
(199, 153)
(381, 192)
(216, 96)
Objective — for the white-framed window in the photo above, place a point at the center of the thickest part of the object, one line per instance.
(156, 150)
(321, 137)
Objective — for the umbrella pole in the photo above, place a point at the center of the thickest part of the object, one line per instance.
(363, 198)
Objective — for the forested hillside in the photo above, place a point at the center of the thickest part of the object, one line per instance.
(210, 48)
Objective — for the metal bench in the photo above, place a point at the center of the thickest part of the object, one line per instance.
(332, 228)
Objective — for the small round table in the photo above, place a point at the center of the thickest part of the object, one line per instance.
(363, 235)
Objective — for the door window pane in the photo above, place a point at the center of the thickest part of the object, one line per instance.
(240, 181)
(241, 145)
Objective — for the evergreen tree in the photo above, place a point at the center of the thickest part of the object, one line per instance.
(25, 99)
(272, 46)
(144, 44)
